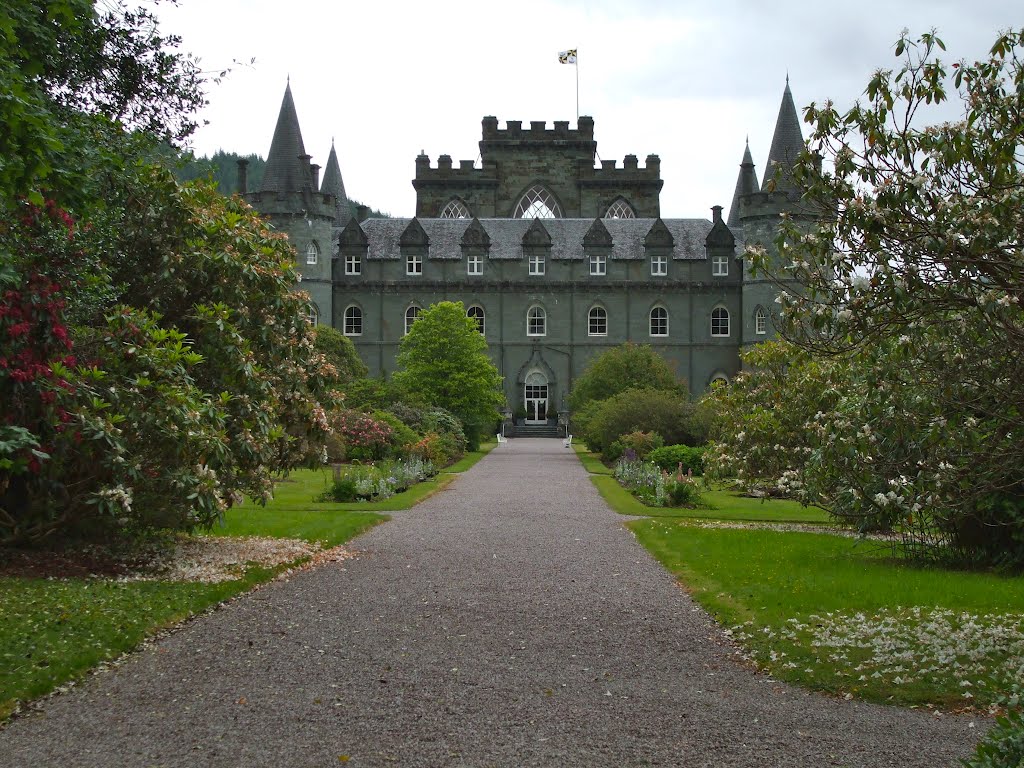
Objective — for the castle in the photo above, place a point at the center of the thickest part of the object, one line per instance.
(557, 259)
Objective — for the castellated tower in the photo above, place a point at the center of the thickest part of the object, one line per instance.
(515, 159)
(291, 196)
(755, 216)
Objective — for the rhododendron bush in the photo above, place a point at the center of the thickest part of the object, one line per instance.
(903, 408)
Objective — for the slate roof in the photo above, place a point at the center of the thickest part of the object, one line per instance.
(332, 183)
(285, 170)
(746, 182)
(787, 142)
(445, 237)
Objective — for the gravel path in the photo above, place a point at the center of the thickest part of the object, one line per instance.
(510, 620)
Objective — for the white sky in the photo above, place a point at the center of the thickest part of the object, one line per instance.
(686, 80)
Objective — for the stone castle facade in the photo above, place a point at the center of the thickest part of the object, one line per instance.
(556, 258)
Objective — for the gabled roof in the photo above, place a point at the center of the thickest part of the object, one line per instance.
(787, 143)
(746, 184)
(286, 171)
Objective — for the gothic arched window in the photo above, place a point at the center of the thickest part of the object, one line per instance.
(312, 253)
(456, 209)
(620, 209)
(477, 313)
(659, 321)
(760, 321)
(353, 321)
(538, 203)
(411, 314)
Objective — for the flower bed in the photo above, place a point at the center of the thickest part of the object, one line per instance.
(654, 486)
(377, 481)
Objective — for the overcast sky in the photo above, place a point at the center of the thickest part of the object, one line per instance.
(688, 81)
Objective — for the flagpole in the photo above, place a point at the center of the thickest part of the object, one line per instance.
(577, 87)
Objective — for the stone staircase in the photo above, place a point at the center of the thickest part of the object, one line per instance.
(534, 430)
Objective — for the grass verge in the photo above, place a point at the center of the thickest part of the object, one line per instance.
(839, 615)
(471, 458)
(590, 461)
(53, 631)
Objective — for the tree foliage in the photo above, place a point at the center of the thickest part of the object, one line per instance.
(913, 276)
(635, 366)
(664, 412)
(339, 351)
(444, 358)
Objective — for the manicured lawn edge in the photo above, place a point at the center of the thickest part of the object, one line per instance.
(471, 458)
(787, 597)
(590, 461)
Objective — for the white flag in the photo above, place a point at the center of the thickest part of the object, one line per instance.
(567, 57)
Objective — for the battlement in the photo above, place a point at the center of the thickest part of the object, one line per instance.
(630, 169)
(467, 170)
(538, 130)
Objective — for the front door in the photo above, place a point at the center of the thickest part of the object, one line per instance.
(536, 398)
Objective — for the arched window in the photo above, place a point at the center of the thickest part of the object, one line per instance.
(353, 325)
(659, 321)
(620, 209)
(720, 321)
(312, 314)
(312, 253)
(597, 324)
(411, 314)
(536, 322)
(538, 203)
(456, 209)
(760, 321)
(477, 313)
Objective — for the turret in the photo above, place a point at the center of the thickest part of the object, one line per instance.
(746, 184)
(787, 144)
(287, 168)
(334, 185)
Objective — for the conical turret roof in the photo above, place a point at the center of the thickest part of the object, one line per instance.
(333, 185)
(746, 184)
(287, 170)
(787, 143)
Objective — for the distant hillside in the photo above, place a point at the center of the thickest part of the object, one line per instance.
(222, 167)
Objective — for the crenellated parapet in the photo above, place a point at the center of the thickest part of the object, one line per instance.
(538, 133)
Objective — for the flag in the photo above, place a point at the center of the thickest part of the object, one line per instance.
(567, 57)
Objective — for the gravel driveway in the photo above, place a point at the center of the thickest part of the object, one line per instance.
(510, 620)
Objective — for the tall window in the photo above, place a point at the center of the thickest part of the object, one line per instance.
(411, 314)
(353, 264)
(720, 265)
(312, 253)
(620, 209)
(659, 265)
(597, 321)
(760, 321)
(536, 322)
(414, 264)
(598, 264)
(537, 264)
(312, 315)
(477, 313)
(659, 321)
(456, 209)
(475, 264)
(538, 203)
(720, 321)
(353, 321)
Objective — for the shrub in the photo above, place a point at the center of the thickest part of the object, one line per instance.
(646, 410)
(655, 487)
(361, 437)
(402, 437)
(674, 457)
(1003, 745)
(380, 481)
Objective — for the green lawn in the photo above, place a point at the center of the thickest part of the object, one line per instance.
(471, 458)
(591, 461)
(718, 504)
(838, 614)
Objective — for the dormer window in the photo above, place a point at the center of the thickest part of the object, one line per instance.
(538, 203)
(536, 263)
(353, 264)
(720, 265)
(414, 264)
(659, 266)
(598, 264)
(474, 264)
(455, 209)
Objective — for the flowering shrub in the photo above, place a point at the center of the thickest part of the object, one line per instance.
(359, 437)
(655, 487)
(672, 457)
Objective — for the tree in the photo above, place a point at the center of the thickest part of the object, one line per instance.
(340, 352)
(444, 358)
(664, 412)
(915, 273)
(621, 368)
